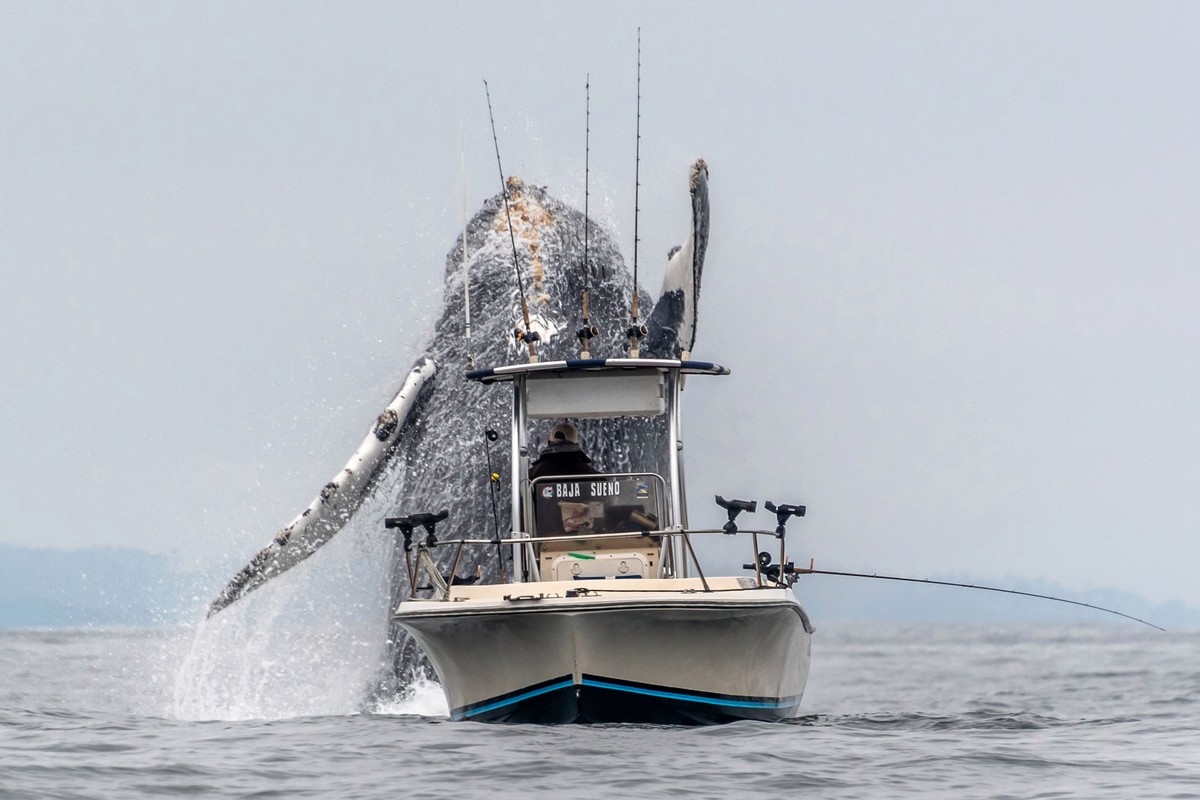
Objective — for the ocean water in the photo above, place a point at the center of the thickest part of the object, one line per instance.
(1106, 711)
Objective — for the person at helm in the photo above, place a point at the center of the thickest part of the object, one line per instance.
(562, 455)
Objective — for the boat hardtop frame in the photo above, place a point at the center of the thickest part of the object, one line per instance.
(650, 526)
(600, 617)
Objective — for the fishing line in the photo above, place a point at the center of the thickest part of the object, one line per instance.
(462, 157)
(811, 571)
(529, 336)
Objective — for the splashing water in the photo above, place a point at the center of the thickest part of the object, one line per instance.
(422, 698)
(313, 643)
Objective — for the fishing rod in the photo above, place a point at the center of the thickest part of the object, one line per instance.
(529, 336)
(588, 330)
(875, 576)
(637, 330)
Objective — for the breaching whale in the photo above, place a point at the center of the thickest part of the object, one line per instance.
(426, 450)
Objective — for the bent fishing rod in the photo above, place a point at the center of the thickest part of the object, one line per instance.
(786, 573)
(875, 576)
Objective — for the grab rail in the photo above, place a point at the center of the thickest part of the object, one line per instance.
(764, 575)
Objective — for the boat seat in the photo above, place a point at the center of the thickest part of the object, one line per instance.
(559, 565)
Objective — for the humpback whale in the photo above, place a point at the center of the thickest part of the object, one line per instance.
(426, 450)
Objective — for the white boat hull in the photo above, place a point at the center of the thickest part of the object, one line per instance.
(664, 651)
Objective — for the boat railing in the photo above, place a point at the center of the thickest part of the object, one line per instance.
(766, 574)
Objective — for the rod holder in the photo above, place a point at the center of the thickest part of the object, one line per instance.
(406, 529)
(735, 507)
(429, 522)
(783, 513)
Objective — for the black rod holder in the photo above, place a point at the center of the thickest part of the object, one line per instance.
(783, 513)
(735, 507)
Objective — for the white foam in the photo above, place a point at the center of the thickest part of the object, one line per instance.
(424, 698)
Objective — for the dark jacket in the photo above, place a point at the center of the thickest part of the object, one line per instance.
(562, 458)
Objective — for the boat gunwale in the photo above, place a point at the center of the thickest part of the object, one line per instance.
(432, 610)
(448, 613)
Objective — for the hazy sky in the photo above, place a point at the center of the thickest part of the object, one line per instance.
(953, 261)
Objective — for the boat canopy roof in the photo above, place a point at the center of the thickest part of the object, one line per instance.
(596, 366)
(595, 387)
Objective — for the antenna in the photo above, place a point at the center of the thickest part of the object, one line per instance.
(636, 330)
(588, 330)
(587, 173)
(529, 336)
(462, 157)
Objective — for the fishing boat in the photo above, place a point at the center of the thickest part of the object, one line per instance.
(602, 611)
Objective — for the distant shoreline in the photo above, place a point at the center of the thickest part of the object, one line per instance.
(94, 588)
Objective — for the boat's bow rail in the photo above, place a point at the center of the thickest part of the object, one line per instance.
(647, 557)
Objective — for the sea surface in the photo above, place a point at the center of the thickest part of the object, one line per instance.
(1106, 711)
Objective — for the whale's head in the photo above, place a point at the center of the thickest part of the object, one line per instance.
(548, 237)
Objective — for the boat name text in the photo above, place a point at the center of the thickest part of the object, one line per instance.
(592, 489)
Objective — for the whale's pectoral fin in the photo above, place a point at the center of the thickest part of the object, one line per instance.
(338, 499)
(672, 324)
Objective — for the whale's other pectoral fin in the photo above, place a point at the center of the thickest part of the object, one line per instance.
(672, 324)
(338, 499)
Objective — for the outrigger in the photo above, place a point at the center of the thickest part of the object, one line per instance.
(602, 611)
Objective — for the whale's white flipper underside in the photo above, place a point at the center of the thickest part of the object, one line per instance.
(337, 500)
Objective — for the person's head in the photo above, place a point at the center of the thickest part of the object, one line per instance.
(564, 433)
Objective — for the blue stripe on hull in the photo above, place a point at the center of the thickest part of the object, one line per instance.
(599, 699)
(527, 699)
(715, 700)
